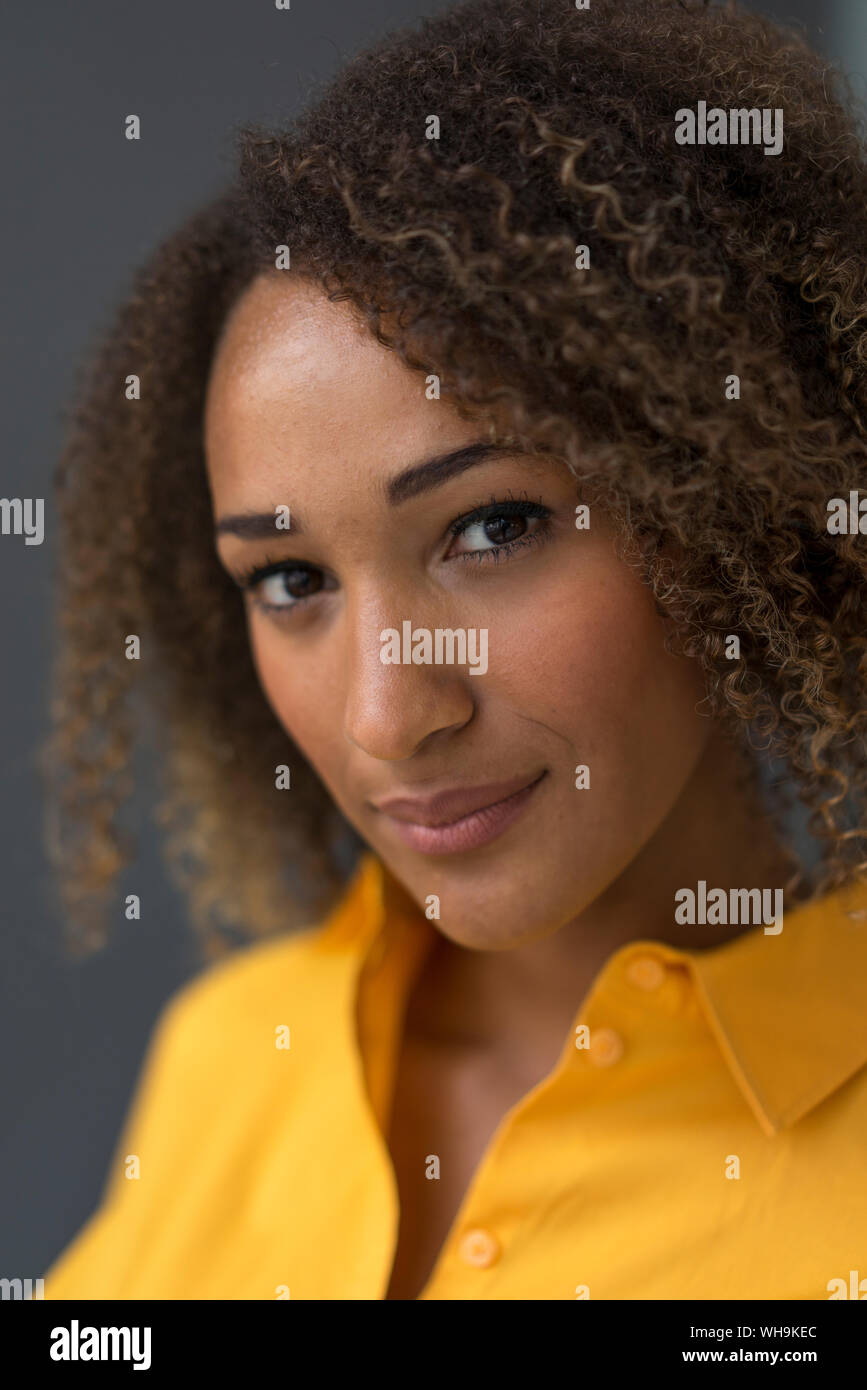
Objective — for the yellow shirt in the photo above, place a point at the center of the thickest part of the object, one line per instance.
(710, 1142)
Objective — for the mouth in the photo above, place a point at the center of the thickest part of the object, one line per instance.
(459, 820)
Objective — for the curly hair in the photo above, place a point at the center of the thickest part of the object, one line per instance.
(556, 129)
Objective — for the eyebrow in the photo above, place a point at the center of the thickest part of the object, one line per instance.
(433, 472)
(418, 478)
(256, 526)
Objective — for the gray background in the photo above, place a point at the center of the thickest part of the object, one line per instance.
(84, 206)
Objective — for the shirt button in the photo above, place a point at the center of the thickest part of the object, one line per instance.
(480, 1249)
(645, 973)
(606, 1046)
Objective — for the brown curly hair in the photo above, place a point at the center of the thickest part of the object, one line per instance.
(556, 129)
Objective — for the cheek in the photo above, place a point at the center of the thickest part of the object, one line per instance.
(296, 693)
(590, 663)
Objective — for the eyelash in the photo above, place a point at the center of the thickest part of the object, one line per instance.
(249, 579)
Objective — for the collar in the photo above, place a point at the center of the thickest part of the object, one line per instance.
(789, 1012)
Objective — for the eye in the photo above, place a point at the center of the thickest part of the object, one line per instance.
(498, 527)
(282, 585)
(496, 530)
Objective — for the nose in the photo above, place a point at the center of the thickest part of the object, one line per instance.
(391, 709)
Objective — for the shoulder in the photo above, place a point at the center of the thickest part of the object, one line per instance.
(234, 1020)
(251, 1026)
(299, 972)
(247, 976)
(265, 984)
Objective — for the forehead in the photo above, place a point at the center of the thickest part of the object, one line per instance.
(276, 316)
(285, 337)
(298, 379)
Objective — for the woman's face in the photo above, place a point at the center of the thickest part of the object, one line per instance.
(563, 667)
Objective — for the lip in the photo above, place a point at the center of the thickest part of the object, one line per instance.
(461, 818)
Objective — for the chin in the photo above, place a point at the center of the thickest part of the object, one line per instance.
(506, 907)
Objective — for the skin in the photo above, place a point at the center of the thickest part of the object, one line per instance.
(305, 409)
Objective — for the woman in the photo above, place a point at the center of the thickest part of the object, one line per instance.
(516, 417)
